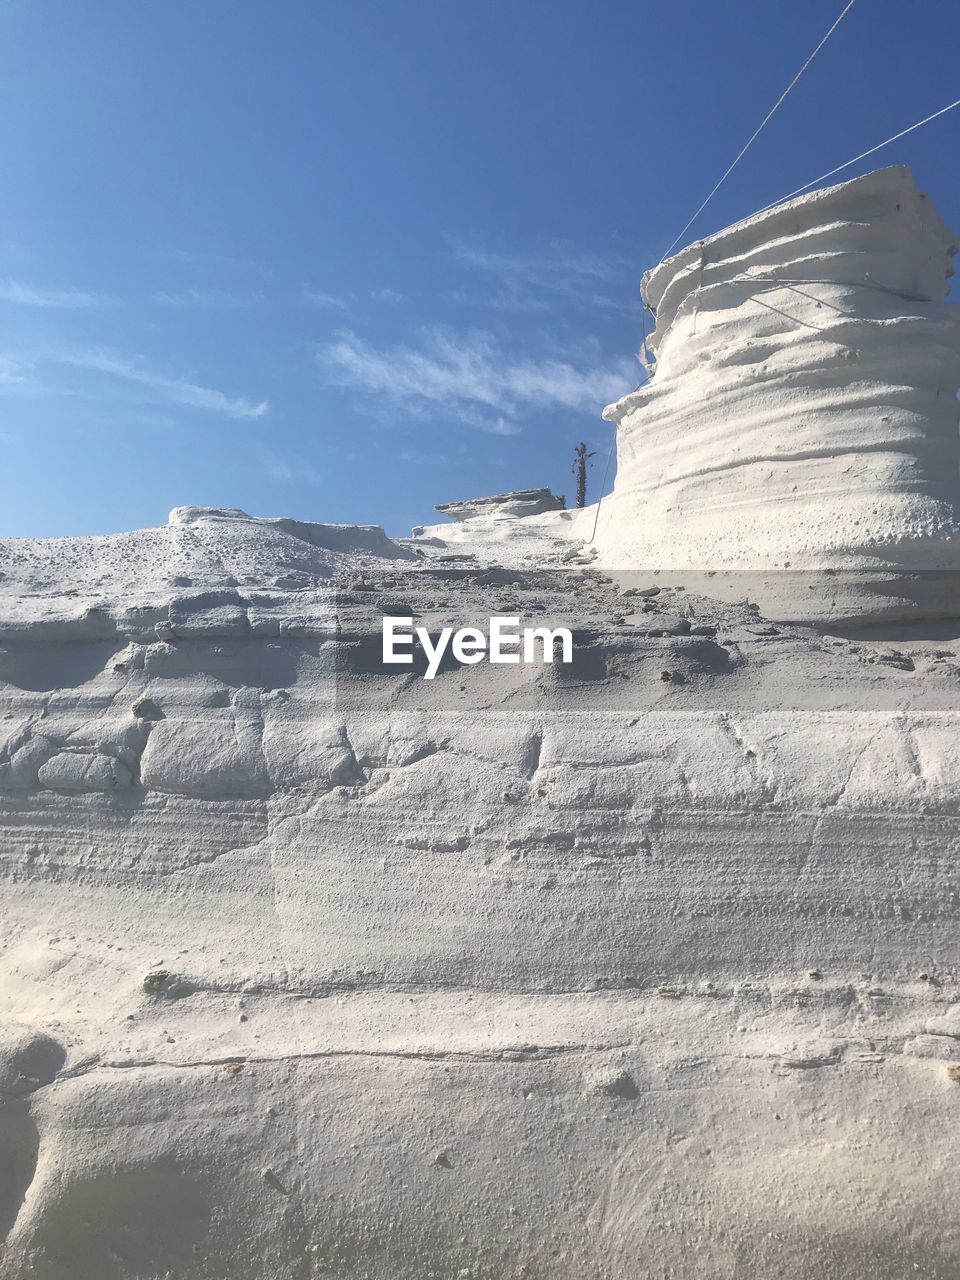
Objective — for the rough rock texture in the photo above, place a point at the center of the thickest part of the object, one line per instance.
(521, 502)
(348, 538)
(803, 410)
(643, 967)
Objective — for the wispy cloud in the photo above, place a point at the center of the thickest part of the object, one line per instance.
(279, 471)
(18, 294)
(208, 300)
(344, 301)
(11, 372)
(556, 268)
(537, 281)
(175, 390)
(226, 264)
(320, 298)
(287, 470)
(498, 299)
(471, 375)
(390, 297)
(415, 458)
(496, 425)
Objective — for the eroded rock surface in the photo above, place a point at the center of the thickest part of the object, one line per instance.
(519, 503)
(803, 412)
(520, 972)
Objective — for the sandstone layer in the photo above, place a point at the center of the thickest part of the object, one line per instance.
(519, 502)
(642, 967)
(802, 411)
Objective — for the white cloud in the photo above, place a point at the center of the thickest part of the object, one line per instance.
(287, 471)
(491, 426)
(470, 375)
(534, 282)
(319, 298)
(557, 268)
(10, 372)
(415, 458)
(500, 299)
(19, 294)
(226, 264)
(343, 301)
(208, 300)
(388, 296)
(177, 390)
(278, 470)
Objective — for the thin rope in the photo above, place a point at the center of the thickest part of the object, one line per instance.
(603, 485)
(862, 156)
(763, 124)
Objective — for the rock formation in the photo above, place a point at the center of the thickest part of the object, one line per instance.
(803, 410)
(520, 502)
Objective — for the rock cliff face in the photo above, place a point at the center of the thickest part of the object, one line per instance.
(803, 410)
(520, 502)
(640, 967)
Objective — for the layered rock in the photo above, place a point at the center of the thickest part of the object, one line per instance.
(514, 505)
(643, 966)
(803, 410)
(349, 539)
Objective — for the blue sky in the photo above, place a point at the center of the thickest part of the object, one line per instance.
(342, 260)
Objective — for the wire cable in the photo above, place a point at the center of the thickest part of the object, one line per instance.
(763, 124)
(603, 485)
(862, 156)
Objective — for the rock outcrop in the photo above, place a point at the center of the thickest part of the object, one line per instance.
(349, 539)
(640, 966)
(519, 503)
(803, 410)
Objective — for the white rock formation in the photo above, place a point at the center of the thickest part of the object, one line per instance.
(803, 411)
(350, 539)
(517, 503)
(646, 967)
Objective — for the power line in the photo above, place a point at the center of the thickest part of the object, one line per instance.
(603, 485)
(862, 156)
(763, 123)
